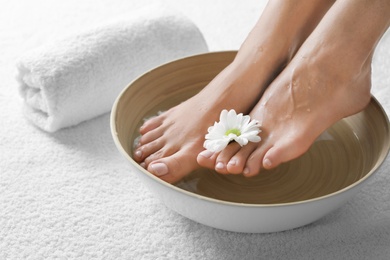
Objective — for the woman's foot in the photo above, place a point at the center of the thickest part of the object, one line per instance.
(297, 107)
(326, 81)
(170, 142)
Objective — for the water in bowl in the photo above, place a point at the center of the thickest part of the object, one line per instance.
(333, 162)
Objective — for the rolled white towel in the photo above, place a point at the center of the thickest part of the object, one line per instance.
(78, 78)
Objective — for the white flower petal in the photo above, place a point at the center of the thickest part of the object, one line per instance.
(235, 124)
(215, 145)
(223, 116)
(216, 131)
(253, 125)
(231, 119)
(245, 121)
(231, 137)
(238, 122)
(253, 138)
(241, 140)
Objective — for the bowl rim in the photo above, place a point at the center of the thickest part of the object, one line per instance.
(223, 202)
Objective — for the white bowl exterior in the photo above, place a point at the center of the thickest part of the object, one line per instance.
(241, 217)
(244, 218)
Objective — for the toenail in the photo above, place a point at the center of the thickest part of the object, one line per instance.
(159, 169)
(219, 165)
(232, 162)
(206, 154)
(143, 165)
(267, 162)
(246, 170)
(138, 154)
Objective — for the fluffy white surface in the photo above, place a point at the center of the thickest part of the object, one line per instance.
(76, 78)
(69, 195)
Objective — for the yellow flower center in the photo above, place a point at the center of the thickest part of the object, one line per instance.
(235, 131)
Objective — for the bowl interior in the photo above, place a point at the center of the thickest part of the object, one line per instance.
(347, 153)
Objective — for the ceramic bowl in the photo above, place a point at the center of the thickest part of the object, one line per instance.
(294, 194)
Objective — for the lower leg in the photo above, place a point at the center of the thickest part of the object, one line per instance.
(328, 79)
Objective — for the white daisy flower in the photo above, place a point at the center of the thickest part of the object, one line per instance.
(231, 127)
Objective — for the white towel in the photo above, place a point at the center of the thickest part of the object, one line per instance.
(78, 78)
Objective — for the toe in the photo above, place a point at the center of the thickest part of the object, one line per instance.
(159, 154)
(252, 166)
(150, 136)
(146, 150)
(173, 168)
(285, 151)
(253, 163)
(151, 124)
(207, 159)
(273, 157)
(237, 162)
(225, 157)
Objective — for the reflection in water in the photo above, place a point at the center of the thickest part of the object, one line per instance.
(334, 161)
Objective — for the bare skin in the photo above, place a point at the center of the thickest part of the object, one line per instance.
(169, 144)
(325, 81)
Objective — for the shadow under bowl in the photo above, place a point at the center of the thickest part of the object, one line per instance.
(294, 194)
